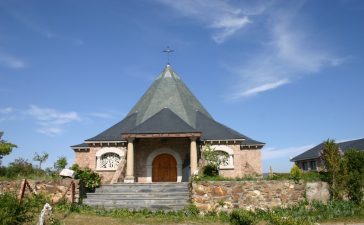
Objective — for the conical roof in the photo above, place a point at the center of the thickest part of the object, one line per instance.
(168, 91)
(168, 106)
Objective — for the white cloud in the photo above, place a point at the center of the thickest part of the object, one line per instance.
(102, 115)
(221, 16)
(51, 121)
(284, 153)
(11, 62)
(6, 110)
(289, 52)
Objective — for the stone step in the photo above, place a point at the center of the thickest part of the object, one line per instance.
(139, 190)
(139, 195)
(153, 196)
(152, 207)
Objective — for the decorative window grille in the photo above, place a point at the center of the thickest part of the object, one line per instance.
(109, 160)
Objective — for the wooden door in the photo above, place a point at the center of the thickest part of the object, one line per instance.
(164, 168)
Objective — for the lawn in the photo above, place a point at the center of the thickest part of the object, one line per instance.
(86, 219)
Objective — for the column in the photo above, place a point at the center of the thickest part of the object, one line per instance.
(129, 178)
(193, 155)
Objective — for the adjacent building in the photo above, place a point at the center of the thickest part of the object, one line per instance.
(310, 160)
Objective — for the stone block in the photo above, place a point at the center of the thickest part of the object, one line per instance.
(67, 173)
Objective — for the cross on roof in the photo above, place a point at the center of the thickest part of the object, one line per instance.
(168, 50)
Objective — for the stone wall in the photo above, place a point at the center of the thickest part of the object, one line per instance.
(54, 189)
(226, 195)
(87, 159)
(247, 162)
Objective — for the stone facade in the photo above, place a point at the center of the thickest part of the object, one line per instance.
(144, 148)
(54, 189)
(247, 162)
(226, 195)
(87, 159)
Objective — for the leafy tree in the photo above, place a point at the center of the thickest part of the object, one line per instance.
(61, 163)
(334, 165)
(5, 147)
(213, 159)
(296, 173)
(354, 162)
(41, 158)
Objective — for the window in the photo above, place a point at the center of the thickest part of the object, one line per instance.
(227, 152)
(313, 165)
(304, 166)
(109, 160)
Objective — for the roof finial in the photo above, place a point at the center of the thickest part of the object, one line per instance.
(168, 50)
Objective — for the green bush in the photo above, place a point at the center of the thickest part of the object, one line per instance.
(210, 171)
(89, 178)
(21, 168)
(354, 162)
(296, 173)
(15, 212)
(242, 217)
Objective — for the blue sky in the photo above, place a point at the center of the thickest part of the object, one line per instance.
(288, 73)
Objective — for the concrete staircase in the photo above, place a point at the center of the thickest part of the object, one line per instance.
(152, 196)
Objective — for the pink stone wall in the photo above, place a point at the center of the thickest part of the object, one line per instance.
(87, 159)
(247, 162)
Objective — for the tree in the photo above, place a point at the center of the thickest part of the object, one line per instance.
(354, 162)
(61, 163)
(213, 159)
(296, 173)
(5, 147)
(41, 158)
(334, 166)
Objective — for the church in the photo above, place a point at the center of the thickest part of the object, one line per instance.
(162, 137)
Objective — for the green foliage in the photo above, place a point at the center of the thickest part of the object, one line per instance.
(5, 148)
(210, 170)
(89, 178)
(354, 162)
(19, 168)
(243, 217)
(335, 168)
(41, 158)
(296, 174)
(212, 160)
(15, 212)
(60, 163)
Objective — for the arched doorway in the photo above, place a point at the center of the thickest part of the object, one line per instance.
(164, 168)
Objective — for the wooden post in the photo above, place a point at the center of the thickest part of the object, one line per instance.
(72, 191)
(22, 189)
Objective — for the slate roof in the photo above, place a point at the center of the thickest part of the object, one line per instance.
(168, 106)
(165, 121)
(314, 152)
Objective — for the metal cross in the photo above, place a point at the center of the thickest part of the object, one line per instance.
(168, 50)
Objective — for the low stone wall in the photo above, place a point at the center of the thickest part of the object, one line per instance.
(226, 195)
(54, 189)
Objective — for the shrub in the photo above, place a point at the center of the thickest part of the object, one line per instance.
(15, 212)
(89, 178)
(20, 168)
(354, 162)
(242, 217)
(296, 173)
(210, 170)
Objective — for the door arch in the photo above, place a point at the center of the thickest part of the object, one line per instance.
(164, 168)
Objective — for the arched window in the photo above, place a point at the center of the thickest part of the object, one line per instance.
(108, 158)
(109, 161)
(225, 152)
